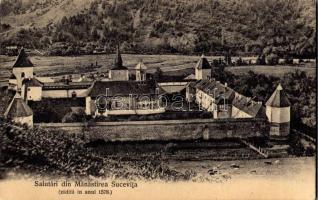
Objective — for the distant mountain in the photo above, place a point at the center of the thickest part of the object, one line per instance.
(272, 27)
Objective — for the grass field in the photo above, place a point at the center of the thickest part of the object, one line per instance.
(58, 66)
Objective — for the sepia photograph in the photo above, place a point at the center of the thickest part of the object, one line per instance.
(158, 99)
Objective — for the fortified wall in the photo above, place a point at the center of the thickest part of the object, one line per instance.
(166, 130)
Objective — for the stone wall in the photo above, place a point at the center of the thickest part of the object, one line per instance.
(167, 129)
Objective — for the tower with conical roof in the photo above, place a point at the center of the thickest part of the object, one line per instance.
(203, 69)
(22, 68)
(119, 72)
(141, 71)
(19, 112)
(278, 114)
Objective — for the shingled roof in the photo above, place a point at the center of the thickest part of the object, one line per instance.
(32, 82)
(247, 105)
(12, 76)
(278, 99)
(118, 64)
(18, 108)
(123, 88)
(203, 63)
(23, 60)
(222, 92)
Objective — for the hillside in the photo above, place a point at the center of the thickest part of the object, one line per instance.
(278, 27)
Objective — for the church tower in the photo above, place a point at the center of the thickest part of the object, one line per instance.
(203, 69)
(19, 112)
(22, 68)
(141, 71)
(278, 114)
(119, 72)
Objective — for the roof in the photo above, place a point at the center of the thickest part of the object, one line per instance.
(18, 108)
(118, 64)
(23, 60)
(123, 88)
(141, 66)
(32, 82)
(222, 92)
(279, 98)
(172, 78)
(64, 86)
(13, 76)
(5, 101)
(203, 63)
(215, 88)
(247, 105)
(190, 77)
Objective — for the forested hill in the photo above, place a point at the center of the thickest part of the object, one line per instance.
(282, 27)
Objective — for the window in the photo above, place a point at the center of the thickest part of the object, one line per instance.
(22, 75)
(117, 105)
(73, 94)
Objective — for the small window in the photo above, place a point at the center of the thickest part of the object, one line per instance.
(117, 104)
(73, 94)
(22, 75)
(29, 89)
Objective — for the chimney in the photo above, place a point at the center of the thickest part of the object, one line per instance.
(225, 84)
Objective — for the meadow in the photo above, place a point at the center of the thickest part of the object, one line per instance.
(57, 66)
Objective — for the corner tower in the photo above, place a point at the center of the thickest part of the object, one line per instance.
(203, 69)
(278, 114)
(19, 112)
(22, 68)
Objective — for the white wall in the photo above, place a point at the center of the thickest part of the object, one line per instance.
(119, 75)
(198, 74)
(79, 92)
(88, 110)
(17, 71)
(278, 115)
(34, 93)
(206, 101)
(64, 93)
(24, 120)
(54, 94)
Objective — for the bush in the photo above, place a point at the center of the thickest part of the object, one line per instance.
(272, 59)
(41, 152)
